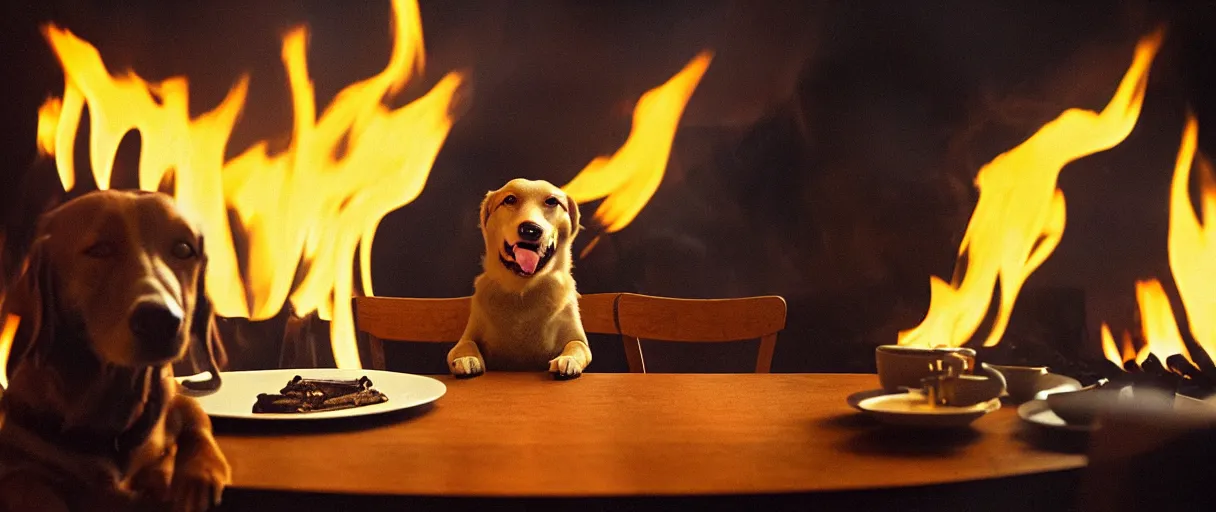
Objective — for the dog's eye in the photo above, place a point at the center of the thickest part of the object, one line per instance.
(183, 251)
(552, 201)
(100, 250)
(509, 200)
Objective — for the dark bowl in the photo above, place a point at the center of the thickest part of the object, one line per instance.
(1082, 407)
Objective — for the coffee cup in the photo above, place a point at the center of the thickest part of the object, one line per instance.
(903, 367)
(966, 390)
(1021, 382)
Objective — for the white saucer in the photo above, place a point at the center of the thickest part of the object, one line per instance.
(910, 409)
(1039, 413)
(235, 398)
(1054, 383)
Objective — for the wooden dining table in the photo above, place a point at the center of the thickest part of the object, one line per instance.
(610, 434)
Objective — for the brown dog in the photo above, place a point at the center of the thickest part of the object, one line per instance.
(524, 314)
(110, 298)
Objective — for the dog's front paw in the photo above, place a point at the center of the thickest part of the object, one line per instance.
(199, 486)
(566, 367)
(155, 482)
(468, 366)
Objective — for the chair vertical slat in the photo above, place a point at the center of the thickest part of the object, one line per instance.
(376, 347)
(633, 354)
(764, 359)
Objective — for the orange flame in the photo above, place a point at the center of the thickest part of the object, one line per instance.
(1129, 350)
(1192, 240)
(48, 121)
(1019, 218)
(304, 211)
(1109, 349)
(9, 331)
(1118, 354)
(1161, 334)
(1191, 249)
(630, 177)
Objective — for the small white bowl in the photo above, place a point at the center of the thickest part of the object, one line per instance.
(1021, 382)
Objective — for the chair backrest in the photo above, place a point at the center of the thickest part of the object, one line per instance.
(699, 320)
(443, 320)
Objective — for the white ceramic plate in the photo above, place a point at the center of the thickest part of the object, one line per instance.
(236, 396)
(1039, 413)
(910, 410)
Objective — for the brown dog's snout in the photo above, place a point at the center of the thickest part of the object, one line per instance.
(530, 231)
(153, 323)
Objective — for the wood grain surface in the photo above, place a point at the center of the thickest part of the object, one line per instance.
(526, 435)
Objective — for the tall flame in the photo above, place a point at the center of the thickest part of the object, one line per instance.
(1192, 240)
(1019, 218)
(306, 210)
(1192, 249)
(631, 176)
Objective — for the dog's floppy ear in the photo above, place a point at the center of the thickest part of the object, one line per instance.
(206, 346)
(32, 298)
(486, 206)
(572, 210)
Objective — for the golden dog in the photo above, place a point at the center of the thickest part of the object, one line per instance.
(110, 298)
(524, 312)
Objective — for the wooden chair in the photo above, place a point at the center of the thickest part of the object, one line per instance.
(699, 320)
(443, 320)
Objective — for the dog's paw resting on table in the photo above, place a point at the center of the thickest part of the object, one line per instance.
(524, 313)
(464, 360)
(191, 477)
(467, 366)
(110, 297)
(575, 356)
(200, 470)
(199, 484)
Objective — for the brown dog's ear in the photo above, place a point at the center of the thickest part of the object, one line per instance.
(572, 210)
(206, 346)
(32, 299)
(486, 206)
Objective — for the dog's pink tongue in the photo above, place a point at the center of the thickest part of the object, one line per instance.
(526, 259)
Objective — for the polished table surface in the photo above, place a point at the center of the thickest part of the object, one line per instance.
(522, 434)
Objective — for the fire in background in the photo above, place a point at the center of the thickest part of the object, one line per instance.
(305, 213)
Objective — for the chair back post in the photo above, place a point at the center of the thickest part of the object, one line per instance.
(633, 354)
(375, 346)
(764, 359)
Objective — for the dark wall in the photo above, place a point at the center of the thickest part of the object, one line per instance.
(827, 155)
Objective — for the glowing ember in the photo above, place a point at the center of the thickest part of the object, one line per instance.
(304, 211)
(629, 178)
(1020, 215)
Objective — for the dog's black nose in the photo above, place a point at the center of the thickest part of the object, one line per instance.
(154, 323)
(530, 231)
